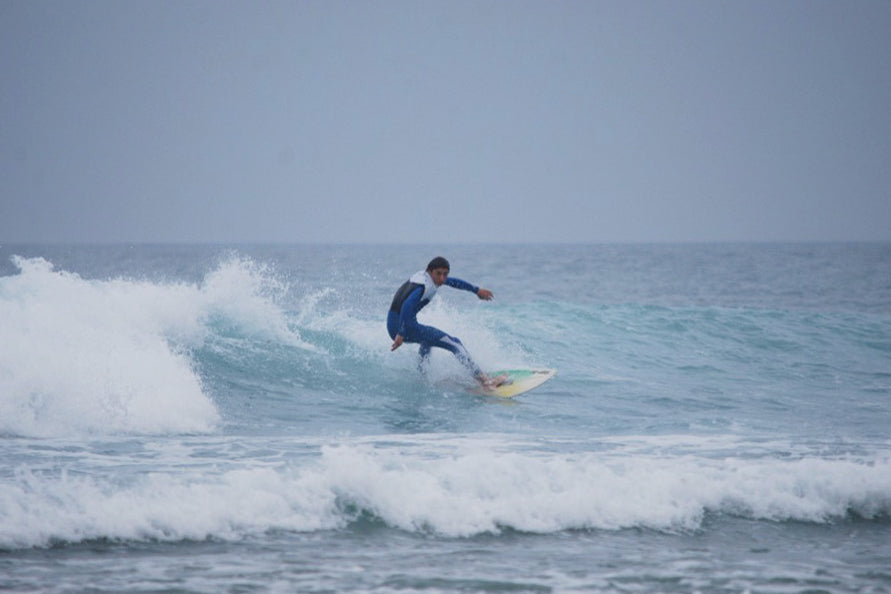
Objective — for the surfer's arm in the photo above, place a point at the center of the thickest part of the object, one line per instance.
(457, 283)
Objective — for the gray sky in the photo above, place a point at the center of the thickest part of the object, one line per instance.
(445, 121)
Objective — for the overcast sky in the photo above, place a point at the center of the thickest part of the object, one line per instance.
(445, 121)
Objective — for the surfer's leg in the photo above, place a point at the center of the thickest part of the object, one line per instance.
(456, 347)
(434, 337)
(429, 337)
(424, 357)
(426, 336)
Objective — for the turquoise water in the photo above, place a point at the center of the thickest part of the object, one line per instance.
(218, 418)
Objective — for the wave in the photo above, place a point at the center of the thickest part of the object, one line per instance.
(481, 491)
(125, 356)
(115, 356)
(468, 488)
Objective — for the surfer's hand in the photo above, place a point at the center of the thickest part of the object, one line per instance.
(397, 343)
(485, 295)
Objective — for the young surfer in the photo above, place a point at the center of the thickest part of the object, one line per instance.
(412, 296)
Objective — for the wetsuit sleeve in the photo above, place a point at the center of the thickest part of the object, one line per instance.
(457, 283)
(408, 314)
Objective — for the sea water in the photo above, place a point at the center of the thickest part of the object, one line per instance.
(231, 419)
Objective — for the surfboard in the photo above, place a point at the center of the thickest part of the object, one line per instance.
(518, 381)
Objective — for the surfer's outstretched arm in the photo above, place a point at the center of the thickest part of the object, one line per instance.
(457, 283)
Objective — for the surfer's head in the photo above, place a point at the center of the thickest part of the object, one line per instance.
(438, 262)
(438, 269)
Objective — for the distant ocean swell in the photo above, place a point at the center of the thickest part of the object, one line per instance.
(476, 489)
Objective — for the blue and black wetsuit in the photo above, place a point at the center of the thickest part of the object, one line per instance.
(402, 319)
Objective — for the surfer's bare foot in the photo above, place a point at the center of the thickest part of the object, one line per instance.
(490, 383)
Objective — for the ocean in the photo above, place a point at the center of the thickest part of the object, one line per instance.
(202, 418)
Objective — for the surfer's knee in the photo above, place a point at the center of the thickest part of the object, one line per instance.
(451, 343)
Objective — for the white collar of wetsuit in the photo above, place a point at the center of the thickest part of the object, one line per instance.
(421, 277)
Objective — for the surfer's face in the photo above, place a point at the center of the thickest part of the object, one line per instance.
(439, 276)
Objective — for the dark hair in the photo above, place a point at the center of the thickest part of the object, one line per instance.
(438, 262)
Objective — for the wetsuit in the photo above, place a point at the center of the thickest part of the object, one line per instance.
(402, 319)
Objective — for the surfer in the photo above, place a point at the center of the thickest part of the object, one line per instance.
(412, 296)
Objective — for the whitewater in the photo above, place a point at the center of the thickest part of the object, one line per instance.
(204, 418)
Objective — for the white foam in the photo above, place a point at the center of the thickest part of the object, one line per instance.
(454, 488)
(482, 491)
(40, 509)
(100, 356)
